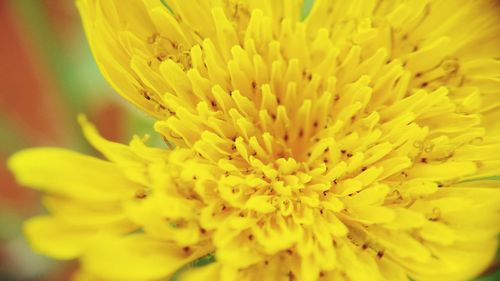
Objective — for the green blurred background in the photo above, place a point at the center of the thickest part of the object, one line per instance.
(47, 76)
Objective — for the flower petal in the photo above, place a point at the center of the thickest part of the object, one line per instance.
(136, 257)
(207, 272)
(52, 237)
(71, 174)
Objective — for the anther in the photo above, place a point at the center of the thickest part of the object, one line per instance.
(418, 144)
(449, 65)
(161, 57)
(141, 194)
(429, 148)
(152, 39)
(145, 94)
(436, 212)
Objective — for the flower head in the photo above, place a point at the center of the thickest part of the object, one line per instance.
(342, 145)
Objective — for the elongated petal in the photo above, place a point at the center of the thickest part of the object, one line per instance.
(136, 257)
(208, 272)
(71, 174)
(57, 239)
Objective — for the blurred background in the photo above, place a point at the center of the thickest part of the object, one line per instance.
(47, 77)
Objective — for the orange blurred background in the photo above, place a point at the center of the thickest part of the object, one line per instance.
(47, 76)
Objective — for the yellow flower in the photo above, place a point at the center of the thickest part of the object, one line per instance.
(352, 144)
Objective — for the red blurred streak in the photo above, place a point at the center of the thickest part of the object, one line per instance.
(109, 119)
(25, 96)
(63, 16)
(28, 104)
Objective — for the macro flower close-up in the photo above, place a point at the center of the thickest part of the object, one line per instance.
(302, 140)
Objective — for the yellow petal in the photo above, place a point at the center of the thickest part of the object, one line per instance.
(167, 220)
(105, 22)
(402, 245)
(438, 232)
(67, 173)
(260, 203)
(207, 272)
(392, 271)
(476, 152)
(237, 250)
(132, 159)
(277, 235)
(371, 214)
(136, 257)
(56, 239)
(335, 226)
(356, 264)
(370, 196)
(441, 172)
(463, 261)
(80, 213)
(406, 219)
